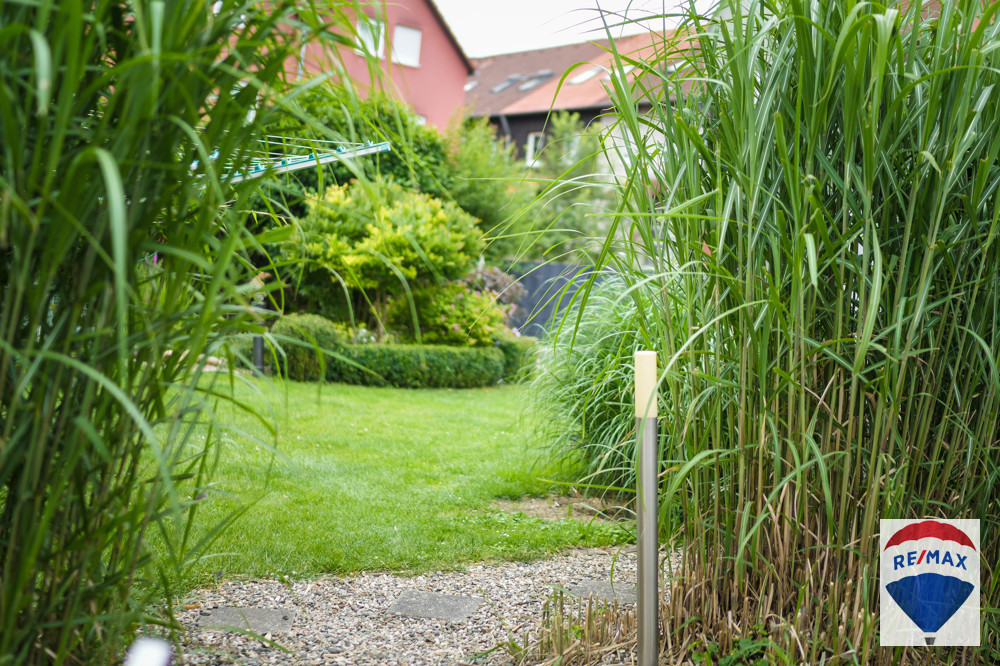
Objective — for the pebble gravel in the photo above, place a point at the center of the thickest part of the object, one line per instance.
(344, 620)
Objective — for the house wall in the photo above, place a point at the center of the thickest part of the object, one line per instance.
(618, 144)
(435, 89)
(518, 127)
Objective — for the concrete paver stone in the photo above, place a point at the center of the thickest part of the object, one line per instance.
(433, 605)
(602, 590)
(258, 620)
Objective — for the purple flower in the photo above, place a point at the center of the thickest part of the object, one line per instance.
(455, 326)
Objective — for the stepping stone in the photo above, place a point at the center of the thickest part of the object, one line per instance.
(602, 590)
(258, 620)
(435, 606)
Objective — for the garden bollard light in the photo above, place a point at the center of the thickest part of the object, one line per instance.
(647, 464)
(258, 356)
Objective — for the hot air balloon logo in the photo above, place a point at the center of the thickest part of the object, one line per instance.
(929, 582)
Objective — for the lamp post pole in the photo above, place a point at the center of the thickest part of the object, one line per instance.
(258, 356)
(647, 467)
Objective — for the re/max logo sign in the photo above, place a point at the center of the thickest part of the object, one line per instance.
(913, 558)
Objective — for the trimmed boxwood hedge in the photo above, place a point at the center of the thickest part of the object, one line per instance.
(418, 366)
(405, 366)
(517, 356)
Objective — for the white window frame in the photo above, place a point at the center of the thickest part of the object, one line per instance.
(533, 147)
(398, 57)
(371, 37)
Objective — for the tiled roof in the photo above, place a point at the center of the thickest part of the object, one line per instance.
(529, 81)
(496, 78)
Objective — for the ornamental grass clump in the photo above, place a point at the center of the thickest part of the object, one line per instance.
(123, 269)
(583, 384)
(819, 183)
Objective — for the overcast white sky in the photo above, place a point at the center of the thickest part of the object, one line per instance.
(488, 27)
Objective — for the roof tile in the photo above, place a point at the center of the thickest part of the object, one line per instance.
(515, 69)
(580, 79)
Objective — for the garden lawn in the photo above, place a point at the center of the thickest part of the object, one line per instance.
(379, 479)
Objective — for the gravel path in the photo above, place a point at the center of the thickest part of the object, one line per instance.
(345, 620)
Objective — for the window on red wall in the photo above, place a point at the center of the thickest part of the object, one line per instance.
(371, 37)
(406, 46)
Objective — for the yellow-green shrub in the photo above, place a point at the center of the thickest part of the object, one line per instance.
(373, 237)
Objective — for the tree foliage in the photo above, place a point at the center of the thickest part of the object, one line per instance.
(466, 164)
(574, 200)
(488, 183)
(422, 165)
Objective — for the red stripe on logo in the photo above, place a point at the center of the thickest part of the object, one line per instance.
(930, 528)
(921, 558)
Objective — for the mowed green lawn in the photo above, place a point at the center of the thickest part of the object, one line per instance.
(380, 479)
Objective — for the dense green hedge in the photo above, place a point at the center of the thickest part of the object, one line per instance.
(418, 366)
(406, 366)
(301, 362)
(517, 356)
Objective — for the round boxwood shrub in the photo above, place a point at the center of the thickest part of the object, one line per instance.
(518, 356)
(450, 314)
(301, 338)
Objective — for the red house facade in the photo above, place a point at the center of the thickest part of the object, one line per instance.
(422, 60)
